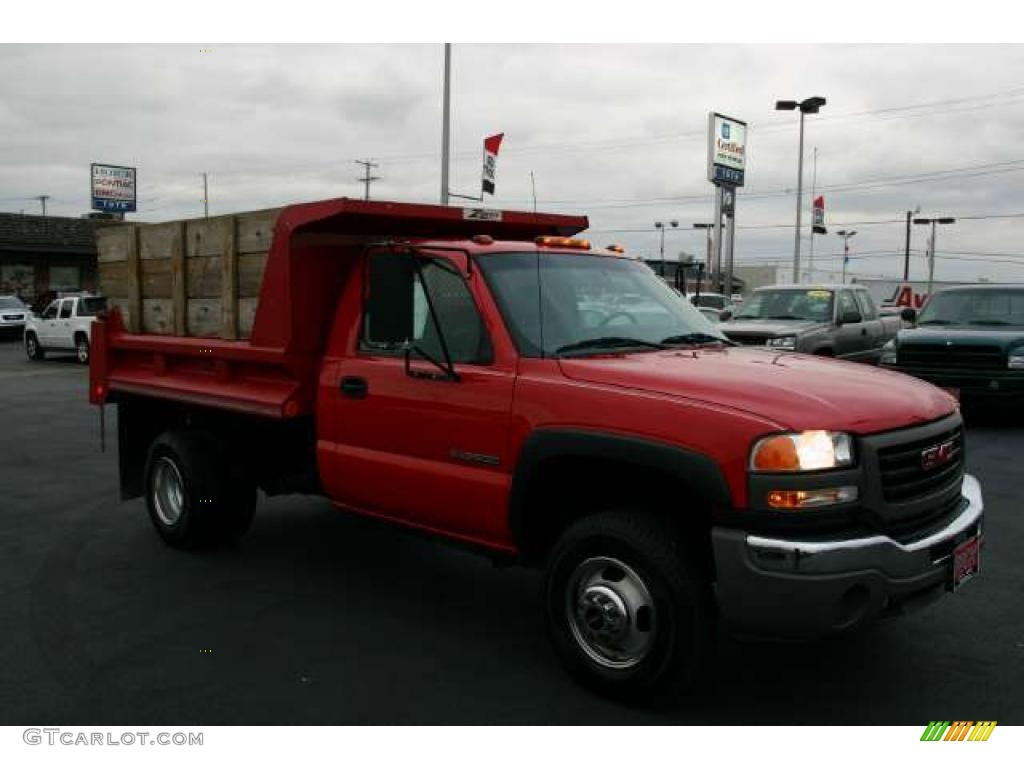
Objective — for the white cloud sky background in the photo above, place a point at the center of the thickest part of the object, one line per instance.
(616, 132)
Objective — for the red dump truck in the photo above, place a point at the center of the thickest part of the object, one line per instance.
(488, 378)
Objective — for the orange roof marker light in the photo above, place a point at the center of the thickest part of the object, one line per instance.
(615, 248)
(551, 241)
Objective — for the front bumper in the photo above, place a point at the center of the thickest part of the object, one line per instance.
(814, 587)
(994, 382)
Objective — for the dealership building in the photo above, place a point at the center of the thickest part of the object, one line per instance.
(43, 255)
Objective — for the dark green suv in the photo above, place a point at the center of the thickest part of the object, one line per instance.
(967, 339)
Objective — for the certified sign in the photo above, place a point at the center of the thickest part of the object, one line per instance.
(112, 188)
(727, 149)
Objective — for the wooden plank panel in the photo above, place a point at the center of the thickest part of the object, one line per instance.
(229, 284)
(157, 316)
(203, 276)
(134, 295)
(250, 274)
(122, 304)
(114, 279)
(204, 317)
(156, 278)
(246, 316)
(113, 243)
(256, 231)
(206, 237)
(179, 285)
(156, 241)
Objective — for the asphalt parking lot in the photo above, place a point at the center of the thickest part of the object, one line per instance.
(321, 617)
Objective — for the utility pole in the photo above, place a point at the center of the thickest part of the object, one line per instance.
(712, 269)
(367, 178)
(446, 125)
(42, 199)
(906, 251)
(533, 187)
(206, 197)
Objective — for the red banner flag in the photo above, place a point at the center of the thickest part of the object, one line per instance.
(491, 146)
(818, 223)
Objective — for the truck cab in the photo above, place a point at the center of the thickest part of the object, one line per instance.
(64, 326)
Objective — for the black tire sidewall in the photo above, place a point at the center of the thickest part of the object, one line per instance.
(682, 630)
(38, 353)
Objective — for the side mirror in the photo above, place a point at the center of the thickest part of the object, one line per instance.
(909, 314)
(725, 314)
(850, 317)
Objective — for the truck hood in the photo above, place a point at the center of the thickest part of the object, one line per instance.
(769, 328)
(962, 335)
(793, 391)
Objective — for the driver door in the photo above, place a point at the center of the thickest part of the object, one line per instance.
(410, 443)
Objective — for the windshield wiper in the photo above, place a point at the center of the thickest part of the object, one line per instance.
(982, 321)
(935, 321)
(784, 317)
(694, 338)
(607, 342)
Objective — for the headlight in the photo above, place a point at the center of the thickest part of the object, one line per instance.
(782, 342)
(802, 452)
(888, 353)
(1016, 359)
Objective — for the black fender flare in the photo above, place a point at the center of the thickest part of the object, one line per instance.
(699, 471)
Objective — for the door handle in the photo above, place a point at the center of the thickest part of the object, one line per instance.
(863, 331)
(354, 387)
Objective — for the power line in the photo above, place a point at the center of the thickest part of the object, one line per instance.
(366, 178)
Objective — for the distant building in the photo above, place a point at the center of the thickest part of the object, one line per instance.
(43, 255)
(674, 272)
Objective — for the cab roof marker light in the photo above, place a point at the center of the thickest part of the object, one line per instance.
(552, 241)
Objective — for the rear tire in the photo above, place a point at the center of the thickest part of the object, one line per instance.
(32, 347)
(196, 496)
(82, 348)
(629, 611)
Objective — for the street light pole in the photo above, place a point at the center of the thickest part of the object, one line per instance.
(446, 124)
(712, 271)
(809, 106)
(846, 235)
(931, 246)
(661, 226)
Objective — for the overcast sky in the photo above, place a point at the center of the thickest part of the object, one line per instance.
(615, 132)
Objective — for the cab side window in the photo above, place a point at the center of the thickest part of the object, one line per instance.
(847, 304)
(397, 307)
(867, 305)
(51, 311)
(66, 307)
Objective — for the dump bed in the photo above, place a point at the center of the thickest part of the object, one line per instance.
(233, 311)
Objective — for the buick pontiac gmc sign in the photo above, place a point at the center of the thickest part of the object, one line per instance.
(112, 188)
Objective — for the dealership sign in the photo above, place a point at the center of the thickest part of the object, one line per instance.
(112, 188)
(727, 150)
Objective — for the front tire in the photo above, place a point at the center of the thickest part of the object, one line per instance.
(32, 348)
(82, 349)
(196, 496)
(629, 610)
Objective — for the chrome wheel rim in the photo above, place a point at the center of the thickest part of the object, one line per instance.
(610, 612)
(168, 491)
(83, 352)
(30, 344)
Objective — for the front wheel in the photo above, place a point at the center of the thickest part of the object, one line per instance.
(82, 349)
(629, 611)
(32, 348)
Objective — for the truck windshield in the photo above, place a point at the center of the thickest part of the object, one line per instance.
(984, 306)
(788, 304)
(11, 302)
(89, 306)
(587, 304)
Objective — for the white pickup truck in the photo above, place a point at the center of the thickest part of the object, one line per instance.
(65, 325)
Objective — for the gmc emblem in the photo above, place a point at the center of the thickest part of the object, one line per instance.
(937, 455)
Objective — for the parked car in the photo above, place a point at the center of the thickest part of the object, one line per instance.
(713, 300)
(463, 378)
(831, 320)
(714, 316)
(966, 339)
(13, 314)
(64, 326)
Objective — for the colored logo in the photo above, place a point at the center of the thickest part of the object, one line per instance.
(960, 730)
(725, 130)
(937, 455)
